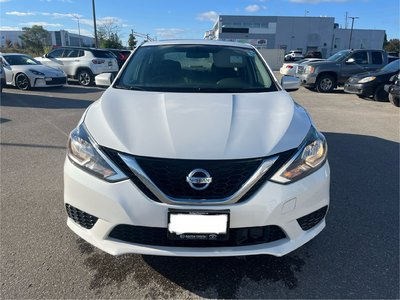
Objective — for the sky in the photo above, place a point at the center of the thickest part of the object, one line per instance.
(166, 19)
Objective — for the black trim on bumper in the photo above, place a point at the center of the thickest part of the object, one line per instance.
(80, 217)
(155, 236)
(309, 221)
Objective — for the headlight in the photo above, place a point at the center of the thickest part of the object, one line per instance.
(367, 79)
(310, 156)
(83, 151)
(36, 72)
(309, 69)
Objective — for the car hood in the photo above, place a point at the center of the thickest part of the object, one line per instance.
(197, 126)
(48, 71)
(374, 73)
(321, 62)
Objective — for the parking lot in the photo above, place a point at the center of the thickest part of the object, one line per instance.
(356, 256)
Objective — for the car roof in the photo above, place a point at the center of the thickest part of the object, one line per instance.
(82, 48)
(14, 54)
(198, 42)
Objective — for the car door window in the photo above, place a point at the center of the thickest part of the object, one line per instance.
(56, 53)
(377, 58)
(360, 58)
(71, 53)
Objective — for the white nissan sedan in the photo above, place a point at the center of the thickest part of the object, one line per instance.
(196, 150)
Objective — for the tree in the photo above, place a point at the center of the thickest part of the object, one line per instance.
(112, 42)
(35, 38)
(108, 34)
(132, 41)
(385, 41)
(393, 45)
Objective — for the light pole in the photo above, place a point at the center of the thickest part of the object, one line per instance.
(351, 30)
(79, 31)
(96, 41)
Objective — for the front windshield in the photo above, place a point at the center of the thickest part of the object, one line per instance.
(196, 68)
(339, 56)
(394, 66)
(19, 60)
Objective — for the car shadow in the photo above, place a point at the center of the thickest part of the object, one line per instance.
(70, 88)
(356, 256)
(40, 101)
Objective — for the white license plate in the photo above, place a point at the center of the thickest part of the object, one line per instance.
(198, 225)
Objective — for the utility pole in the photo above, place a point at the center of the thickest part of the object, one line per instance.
(351, 31)
(345, 21)
(79, 31)
(96, 41)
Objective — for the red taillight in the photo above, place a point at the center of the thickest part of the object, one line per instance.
(98, 61)
(289, 67)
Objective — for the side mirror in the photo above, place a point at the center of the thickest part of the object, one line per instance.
(104, 79)
(350, 61)
(290, 83)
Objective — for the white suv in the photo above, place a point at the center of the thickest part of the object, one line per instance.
(82, 64)
(196, 150)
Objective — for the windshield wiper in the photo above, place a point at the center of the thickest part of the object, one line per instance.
(132, 88)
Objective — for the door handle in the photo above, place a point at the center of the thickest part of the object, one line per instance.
(77, 60)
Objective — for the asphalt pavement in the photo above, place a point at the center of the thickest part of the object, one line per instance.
(356, 255)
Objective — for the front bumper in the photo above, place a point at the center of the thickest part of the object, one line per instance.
(359, 89)
(307, 80)
(49, 81)
(104, 68)
(123, 203)
(393, 89)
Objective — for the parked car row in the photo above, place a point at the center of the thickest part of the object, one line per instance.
(362, 72)
(53, 68)
(294, 55)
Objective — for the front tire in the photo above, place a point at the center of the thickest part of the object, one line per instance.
(380, 94)
(22, 82)
(326, 83)
(85, 77)
(394, 100)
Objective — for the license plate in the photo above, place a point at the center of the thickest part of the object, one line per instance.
(198, 225)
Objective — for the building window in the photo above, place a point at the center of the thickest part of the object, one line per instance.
(235, 30)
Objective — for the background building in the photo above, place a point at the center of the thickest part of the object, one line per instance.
(288, 33)
(57, 38)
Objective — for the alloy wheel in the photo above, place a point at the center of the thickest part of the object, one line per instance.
(22, 82)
